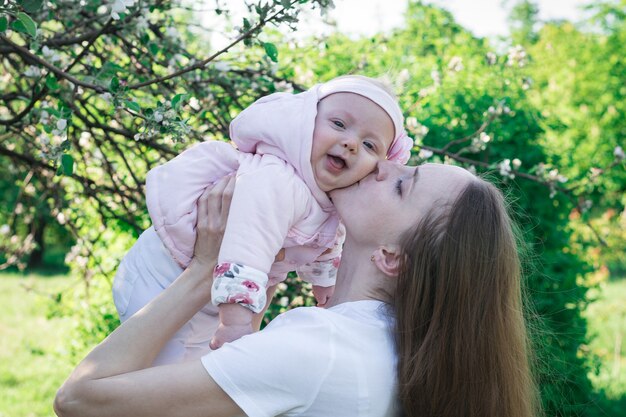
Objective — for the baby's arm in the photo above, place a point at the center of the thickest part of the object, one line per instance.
(265, 205)
(237, 321)
(322, 273)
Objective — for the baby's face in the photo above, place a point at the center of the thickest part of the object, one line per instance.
(352, 133)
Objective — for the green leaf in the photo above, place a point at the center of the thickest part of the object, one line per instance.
(114, 85)
(18, 26)
(154, 48)
(51, 82)
(177, 98)
(67, 163)
(31, 6)
(29, 24)
(4, 23)
(271, 51)
(133, 105)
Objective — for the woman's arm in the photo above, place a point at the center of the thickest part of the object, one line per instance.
(114, 379)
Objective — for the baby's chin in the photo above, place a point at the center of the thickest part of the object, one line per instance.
(338, 192)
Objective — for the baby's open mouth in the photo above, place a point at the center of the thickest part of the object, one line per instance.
(337, 162)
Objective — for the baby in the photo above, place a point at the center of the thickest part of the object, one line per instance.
(292, 150)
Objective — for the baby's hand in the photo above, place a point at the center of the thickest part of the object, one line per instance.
(322, 294)
(225, 334)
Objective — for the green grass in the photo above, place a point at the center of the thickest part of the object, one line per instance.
(606, 319)
(32, 360)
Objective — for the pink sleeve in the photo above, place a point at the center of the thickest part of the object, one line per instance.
(172, 190)
(268, 199)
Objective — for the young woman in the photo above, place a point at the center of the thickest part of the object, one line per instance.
(426, 319)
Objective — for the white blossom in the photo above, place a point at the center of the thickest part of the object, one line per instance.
(172, 33)
(618, 152)
(505, 169)
(554, 176)
(416, 128)
(120, 6)
(456, 64)
(106, 97)
(50, 55)
(425, 153)
(158, 116)
(516, 163)
(5, 229)
(61, 124)
(43, 117)
(516, 56)
(194, 103)
(403, 76)
(61, 218)
(411, 123)
(81, 261)
(141, 23)
(491, 58)
(436, 77)
(595, 172)
(221, 66)
(84, 139)
(32, 71)
(284, 86)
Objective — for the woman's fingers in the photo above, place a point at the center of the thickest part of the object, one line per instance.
(218, 204)
(213, 206)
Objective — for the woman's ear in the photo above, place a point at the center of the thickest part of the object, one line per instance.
(387, 259)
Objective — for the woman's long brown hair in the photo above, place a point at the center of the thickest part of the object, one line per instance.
(461, 337)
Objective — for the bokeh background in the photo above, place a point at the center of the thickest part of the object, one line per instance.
(95, 93)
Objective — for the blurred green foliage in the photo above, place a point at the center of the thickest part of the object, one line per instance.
(556, 100)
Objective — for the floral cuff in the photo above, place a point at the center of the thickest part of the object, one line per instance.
(321, 273)
(239, 284)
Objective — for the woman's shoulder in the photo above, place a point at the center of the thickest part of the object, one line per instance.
(351, 316)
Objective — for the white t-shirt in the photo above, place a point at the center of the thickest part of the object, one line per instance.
(310, 361)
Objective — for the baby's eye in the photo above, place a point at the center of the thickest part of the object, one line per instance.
(368, 144)
(339, 123)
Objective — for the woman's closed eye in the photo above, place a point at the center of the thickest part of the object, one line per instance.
(399, 187)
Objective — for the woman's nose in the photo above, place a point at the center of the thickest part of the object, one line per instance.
(383, 168)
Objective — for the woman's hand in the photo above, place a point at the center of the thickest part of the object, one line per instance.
(213, 207)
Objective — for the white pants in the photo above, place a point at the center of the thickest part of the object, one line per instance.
(146, 270)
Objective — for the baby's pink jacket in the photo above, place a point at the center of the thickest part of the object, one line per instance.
(276, 204)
